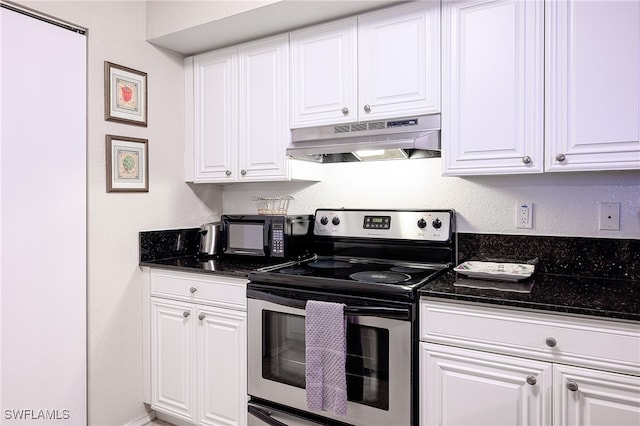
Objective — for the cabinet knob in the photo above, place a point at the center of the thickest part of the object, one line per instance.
(193, 290)
(561, 157)
(531, 380)
(345, 110)
(228, 173)
(367, 108)
(243, 172)
(201, 317)
(551, 342)
(186, 314)
(572, 386)
(526, 159)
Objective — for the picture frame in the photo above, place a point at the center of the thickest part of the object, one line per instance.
(125, 95)
(127, 164)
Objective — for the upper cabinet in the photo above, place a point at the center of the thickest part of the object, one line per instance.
(492, 107)
(593, 85)
(495, 55)
(237, 114)
(397, 72)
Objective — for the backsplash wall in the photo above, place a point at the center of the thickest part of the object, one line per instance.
(565, 204)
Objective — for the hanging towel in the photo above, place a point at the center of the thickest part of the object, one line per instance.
(326, 354)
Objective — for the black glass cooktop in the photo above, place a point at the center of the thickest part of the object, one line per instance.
(358, 276)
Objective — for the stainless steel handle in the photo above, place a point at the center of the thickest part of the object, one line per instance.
(228, 173)
(572, 386)
(531, 380)
(551, 342)
(243, 172)
(345, 110)
(526, 159)
(201, 317)
(561, 157)
(367, 108)
(193, 290)
(186, 314)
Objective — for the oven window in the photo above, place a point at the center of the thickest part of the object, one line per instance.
(283, 357)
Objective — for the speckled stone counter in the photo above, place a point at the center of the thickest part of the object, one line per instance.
(178, 249)
(560, 293)
(586, 276)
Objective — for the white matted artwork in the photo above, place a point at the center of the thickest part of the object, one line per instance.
(127, 164)
(125, 95)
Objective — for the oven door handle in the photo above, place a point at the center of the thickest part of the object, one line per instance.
(264, 416)
(371, 311)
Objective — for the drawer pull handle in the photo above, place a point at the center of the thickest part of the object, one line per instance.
(526, 159)
(561, 157)
(531, 380)
(201, 317)
(193, 290)
(186, 314)
(572, 386)
(345, 110)
(551, 342)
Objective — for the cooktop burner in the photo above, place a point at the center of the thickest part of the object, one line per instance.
(329, 264)
(383, 277)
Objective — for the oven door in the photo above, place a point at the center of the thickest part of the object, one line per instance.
(378, 359)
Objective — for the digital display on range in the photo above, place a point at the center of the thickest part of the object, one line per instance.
(377, 222)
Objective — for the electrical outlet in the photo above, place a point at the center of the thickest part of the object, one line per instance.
(609, 216)
(524, 214)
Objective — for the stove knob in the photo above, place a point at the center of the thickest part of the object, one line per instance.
(324, 220)
(335, 220)
(422, 224)
(437, 223)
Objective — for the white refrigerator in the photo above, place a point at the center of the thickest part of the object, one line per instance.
(43, 210)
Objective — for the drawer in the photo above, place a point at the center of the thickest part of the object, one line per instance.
(206, 289)
(584, 341)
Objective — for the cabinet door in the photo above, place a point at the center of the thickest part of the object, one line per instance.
(172, 358)
(222, 377)
(464, 387)
(399, 61)
(324, 69)
(215, 116)
(493, 69)
(593, 85)
(584, 397)
(264, 123)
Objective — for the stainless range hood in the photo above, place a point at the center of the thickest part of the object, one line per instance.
(415, 137)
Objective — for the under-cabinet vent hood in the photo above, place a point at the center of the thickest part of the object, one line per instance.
(416, 137)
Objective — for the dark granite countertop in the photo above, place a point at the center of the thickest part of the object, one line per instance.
(237, 268)
(611, 298)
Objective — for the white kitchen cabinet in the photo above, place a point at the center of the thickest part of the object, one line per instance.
(384, 64)
(399, 61)
(592, 85)
(173, 361)
(197, 348)
(584, 397)
(236, 113)
(324, 85)
(494, 98)
(512, 366)
(464, 387)
(492, 91)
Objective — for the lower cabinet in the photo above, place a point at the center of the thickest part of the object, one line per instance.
(481, 365)
(197, 355)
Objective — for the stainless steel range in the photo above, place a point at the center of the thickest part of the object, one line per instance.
(373, 262)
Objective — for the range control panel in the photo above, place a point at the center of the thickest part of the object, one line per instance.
(421, 225)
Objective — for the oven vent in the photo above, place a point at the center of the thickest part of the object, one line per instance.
(414, 137)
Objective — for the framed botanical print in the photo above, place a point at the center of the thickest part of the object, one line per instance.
(127, 164)
(125, 91)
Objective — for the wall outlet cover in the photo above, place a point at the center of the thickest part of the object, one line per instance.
(524, 214)
(609, 216)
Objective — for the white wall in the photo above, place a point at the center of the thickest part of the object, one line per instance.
(564, 204)
(117, 34)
